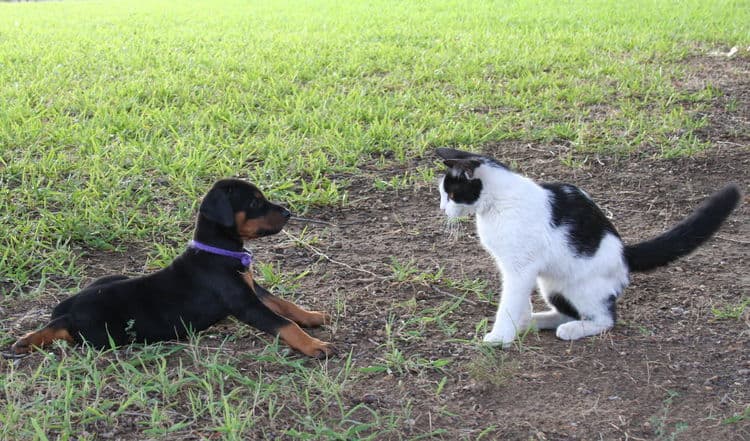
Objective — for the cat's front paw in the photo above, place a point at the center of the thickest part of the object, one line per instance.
(499, 339)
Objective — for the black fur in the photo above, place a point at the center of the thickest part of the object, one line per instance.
(465, 161)
(612, 307)
(458, 182)
(195, 291)
(586, 223)
(449, 154)
(685, 236)
(461, 189)
(564, 306)
(217, 208)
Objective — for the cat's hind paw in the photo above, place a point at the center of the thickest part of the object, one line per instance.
(566, 332)
(580, 328)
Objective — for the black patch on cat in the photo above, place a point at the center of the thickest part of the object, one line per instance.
(450, 154)
(586, 223)
(686, 236)
(612, 307)
(563, 306)
(461, 189)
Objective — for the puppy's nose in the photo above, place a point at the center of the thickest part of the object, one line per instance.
(286, 213)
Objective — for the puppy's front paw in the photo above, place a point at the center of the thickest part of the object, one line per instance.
(320, 349)
(316, 318)
(299, 340)
(21, 346)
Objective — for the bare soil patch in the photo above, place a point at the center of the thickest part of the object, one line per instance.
(670, 366)
(668, 342)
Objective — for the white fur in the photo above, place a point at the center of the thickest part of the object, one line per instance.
(513, 217)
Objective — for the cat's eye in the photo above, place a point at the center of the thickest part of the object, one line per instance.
(450, 196)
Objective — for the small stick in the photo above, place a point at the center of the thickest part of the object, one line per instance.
(321, 254)
(312, 221)
(10, 356)
(446, 293)
(743, 242)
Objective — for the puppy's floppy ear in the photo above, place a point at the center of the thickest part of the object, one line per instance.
(216, 207)
(465, 162)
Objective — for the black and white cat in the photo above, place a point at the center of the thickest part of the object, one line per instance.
(555, 237)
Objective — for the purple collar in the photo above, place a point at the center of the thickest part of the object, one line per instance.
(245, 257)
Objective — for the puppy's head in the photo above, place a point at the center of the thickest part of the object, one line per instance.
(239, 207)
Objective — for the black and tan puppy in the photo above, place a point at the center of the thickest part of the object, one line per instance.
(208, 282)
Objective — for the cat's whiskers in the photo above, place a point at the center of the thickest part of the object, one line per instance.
(454, 227)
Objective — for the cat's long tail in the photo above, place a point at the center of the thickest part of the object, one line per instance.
(685, 236)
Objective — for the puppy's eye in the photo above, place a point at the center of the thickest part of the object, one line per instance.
(450, 196)
(254, 203)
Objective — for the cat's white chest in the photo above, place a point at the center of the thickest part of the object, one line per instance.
(500, 236)
(516, 232)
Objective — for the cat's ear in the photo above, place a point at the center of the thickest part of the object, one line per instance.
(466, 166)
(465, 162)
(449, 153)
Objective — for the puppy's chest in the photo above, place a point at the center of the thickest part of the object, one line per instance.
(248, 278)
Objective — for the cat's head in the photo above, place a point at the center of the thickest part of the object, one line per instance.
(461, 188)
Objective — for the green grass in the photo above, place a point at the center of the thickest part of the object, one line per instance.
(116, 116)
(738, 417)
(663, 429)
(733, 312)
(196, 389)
(492, 367)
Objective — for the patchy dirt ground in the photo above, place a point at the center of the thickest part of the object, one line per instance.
(667, 341)
(670, 368)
